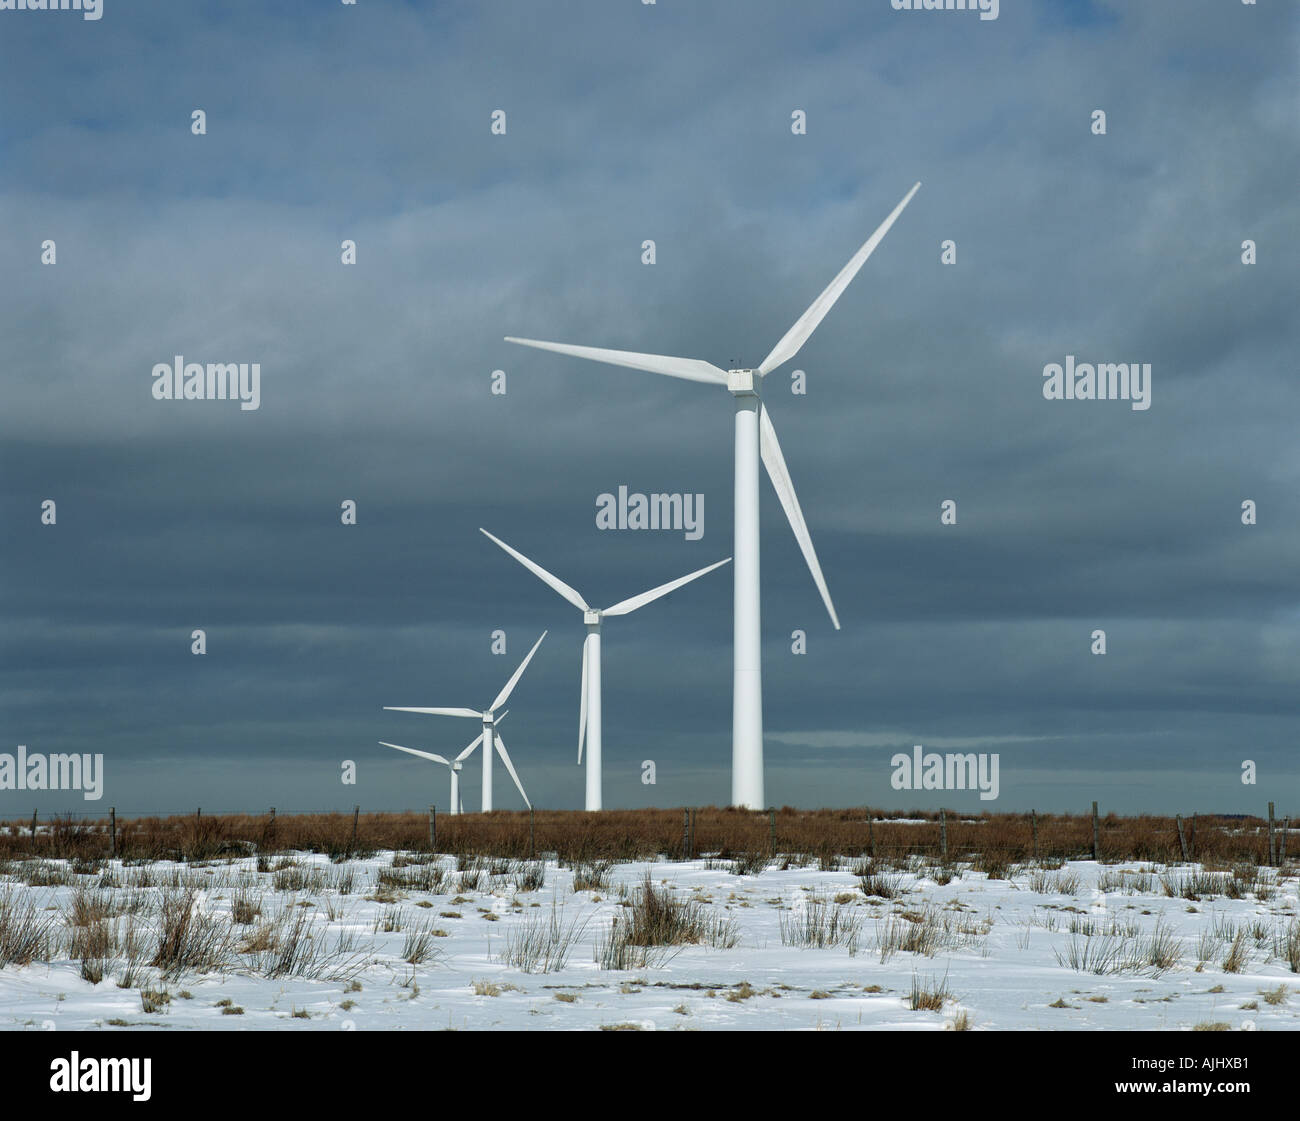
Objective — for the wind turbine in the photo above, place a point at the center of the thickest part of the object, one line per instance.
(755, 437)
(491, 737)
(454, 766)
(589, 705)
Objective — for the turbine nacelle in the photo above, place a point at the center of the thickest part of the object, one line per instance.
(592, 618)
(743, 383)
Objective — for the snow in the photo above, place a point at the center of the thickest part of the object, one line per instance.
(1005, 958)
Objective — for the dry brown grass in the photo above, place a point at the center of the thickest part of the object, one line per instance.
(994, 840)
(655, 922)
(929, 996)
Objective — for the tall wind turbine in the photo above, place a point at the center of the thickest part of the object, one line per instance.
(491, 737)
(755, 437)
(589, 705)
(454, 766)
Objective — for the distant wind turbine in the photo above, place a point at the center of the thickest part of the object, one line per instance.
(491, 737)
(755, 437)
(589, 714)
(454, 766)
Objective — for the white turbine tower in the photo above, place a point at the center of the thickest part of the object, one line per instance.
(491, 737)
(589, 716)
(453, 765)
(755, 437)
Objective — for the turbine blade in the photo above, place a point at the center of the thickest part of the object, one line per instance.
(582, 704)
(505, 758)
(629, 605)
(692, 369)
(807, 323)
(470, 750)
(514, 680)
(545, 577)
(412, 751)
(469, 712)
(777, 471)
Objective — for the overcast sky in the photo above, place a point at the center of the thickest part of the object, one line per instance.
(670, 122)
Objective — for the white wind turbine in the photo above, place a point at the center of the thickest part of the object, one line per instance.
(755, 437)
(589, 719)
(454, 766)
(491, 737)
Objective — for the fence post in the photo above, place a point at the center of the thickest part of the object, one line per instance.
(268, 833)
(532, 835)
(1182, 844)
(771, 829)
(686, 833)
(1191, 840)
(1033, 825)
(33, 830)
(1096, 832)
(690, 851)
(871, 834)
(943, 836)
(1272, 853)
(198, 814)
(433, 828)
(356, 813)
(1281, 853)
(112, 831)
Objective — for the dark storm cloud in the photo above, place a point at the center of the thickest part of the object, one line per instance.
(628, 122)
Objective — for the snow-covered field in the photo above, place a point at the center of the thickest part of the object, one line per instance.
(1085, 946)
